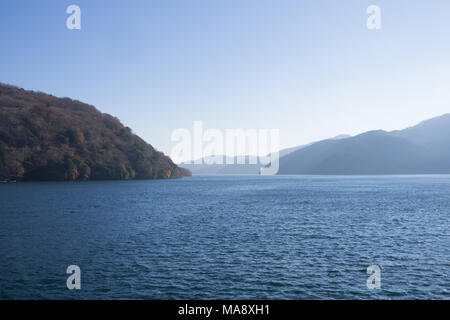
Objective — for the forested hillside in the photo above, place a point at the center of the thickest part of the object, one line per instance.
(46, 138)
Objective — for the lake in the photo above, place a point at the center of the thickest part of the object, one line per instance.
(238, 237)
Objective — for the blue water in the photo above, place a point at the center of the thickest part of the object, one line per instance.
(227, 238)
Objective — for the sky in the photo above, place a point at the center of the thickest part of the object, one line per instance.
(311, 69)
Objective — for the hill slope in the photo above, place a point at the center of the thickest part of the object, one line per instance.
(422, 149)
(47, 138)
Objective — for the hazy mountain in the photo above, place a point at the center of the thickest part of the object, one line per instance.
(238, 169)
(47, 138)
(422, 149)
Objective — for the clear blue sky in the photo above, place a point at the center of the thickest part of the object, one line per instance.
(310, 68)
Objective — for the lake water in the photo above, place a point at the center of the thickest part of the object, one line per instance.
(227, 238)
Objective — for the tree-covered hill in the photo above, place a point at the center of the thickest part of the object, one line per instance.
(45, 138)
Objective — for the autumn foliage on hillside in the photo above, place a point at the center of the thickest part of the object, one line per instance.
(46, 138)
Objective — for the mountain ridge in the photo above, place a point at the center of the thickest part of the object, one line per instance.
(420, 149)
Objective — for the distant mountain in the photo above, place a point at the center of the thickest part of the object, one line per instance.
(47, 138)
(237, 169)
(422, 149)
